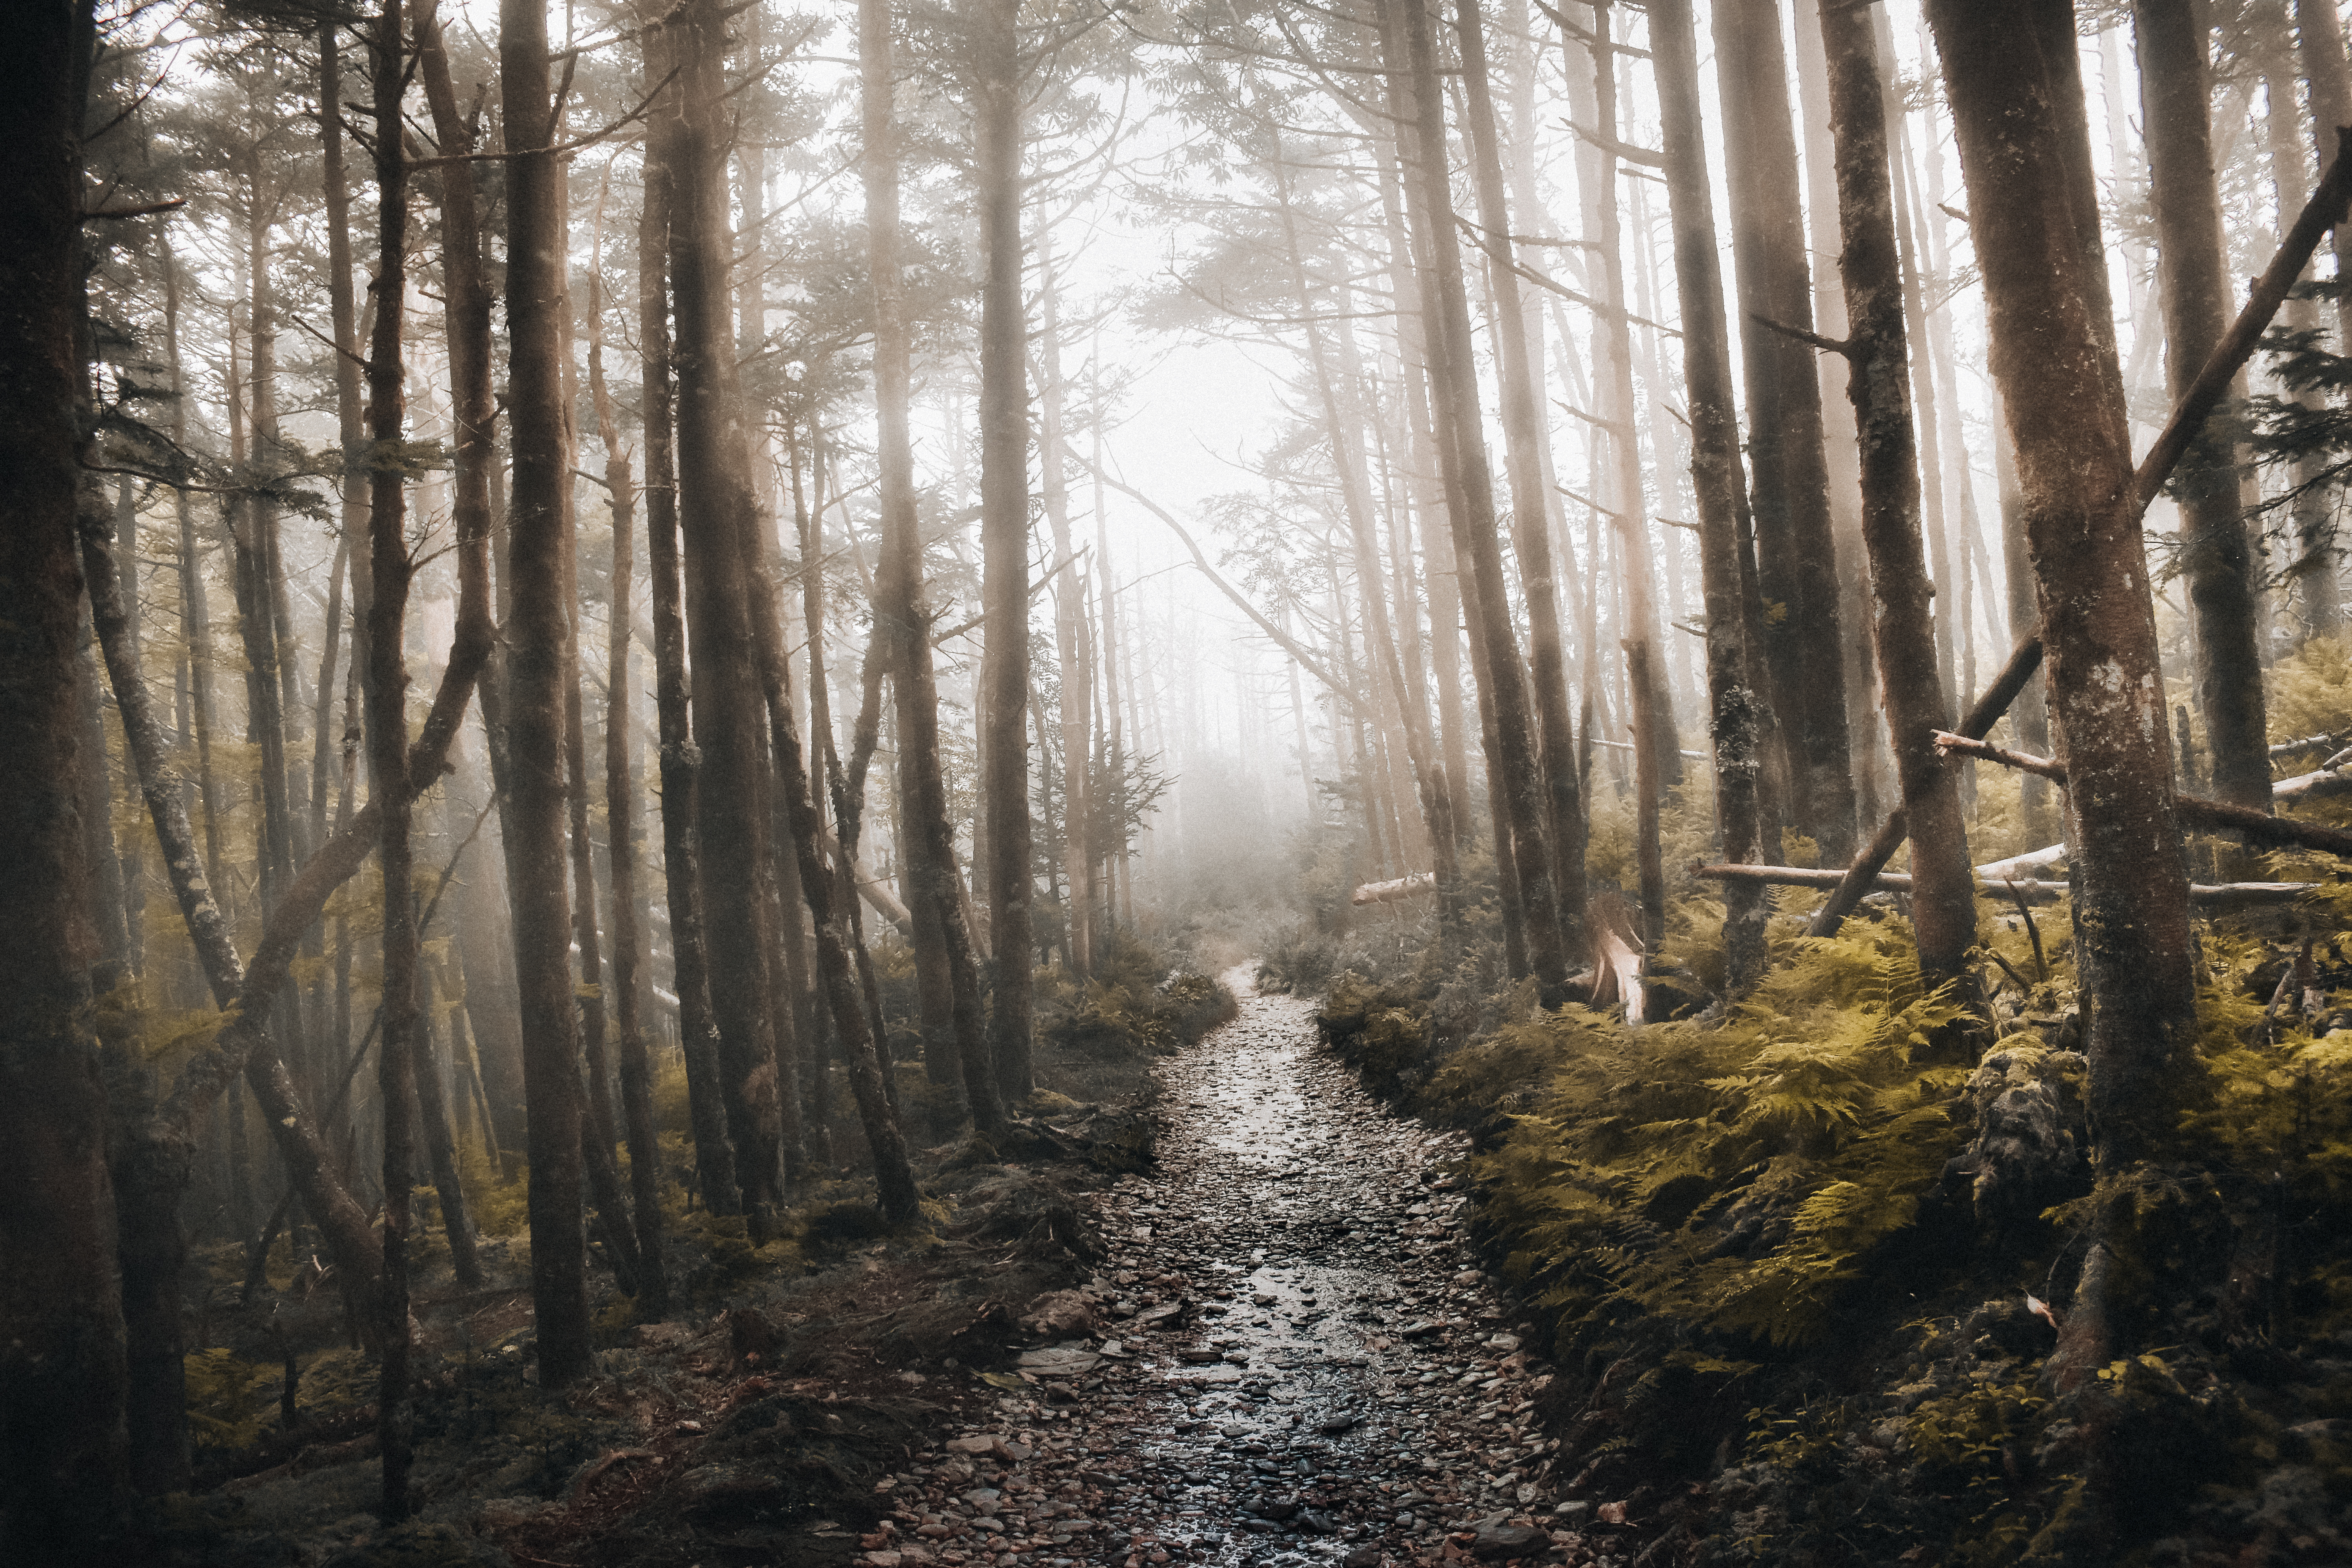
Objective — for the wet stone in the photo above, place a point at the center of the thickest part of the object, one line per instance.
(1307, 1368)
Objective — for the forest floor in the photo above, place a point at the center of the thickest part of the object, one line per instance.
(1271, 1345)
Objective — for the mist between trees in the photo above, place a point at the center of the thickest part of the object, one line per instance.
(646, 610)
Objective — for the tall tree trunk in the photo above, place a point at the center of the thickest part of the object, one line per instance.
(625, 832)
(1004, 540)
(2017, 105)
(537, 628)
(387, 732)
(350, 428)
(195, 612)
(1796, 548)
(902, 618)
(717, 509)
(1944, 892)
(1069, 621)
(1409, 50)
(1653, 719)
(1715, 476)
(1526, 439)
(1841, 448)
(680, 761)
(61, 1340)
(2192, 282)
(1348, 455)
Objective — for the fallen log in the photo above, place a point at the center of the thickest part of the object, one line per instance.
(2038, 859)
(2213, 895)
(1418, 885)
(2258, 827)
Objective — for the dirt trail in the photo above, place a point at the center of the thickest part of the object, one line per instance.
(1295, 1358)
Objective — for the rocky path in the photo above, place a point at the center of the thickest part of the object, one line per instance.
(1292, 1356)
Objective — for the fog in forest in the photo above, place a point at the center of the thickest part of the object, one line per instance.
(928, 783)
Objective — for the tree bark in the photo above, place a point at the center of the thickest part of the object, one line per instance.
(1944, 898)
(1796, 548)
(717, 509)
(943, 948)
(680, 759)
(1004, 543)
(1526, 440)
(1716, 478)
(1408, 53)
(2017, 104)
(2192, 282)
(387, 735)
(62, 1375)
(537, 628)
(625, 832)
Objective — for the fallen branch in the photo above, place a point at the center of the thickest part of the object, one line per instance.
(2023, 660)
(2329, 200)
(2258, 827)
(1418, 885)
(2312, 743)
(2217, 895)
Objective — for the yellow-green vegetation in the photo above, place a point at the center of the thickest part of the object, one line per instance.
(226, 1408)
(1131, 1005)
(1733, 1176)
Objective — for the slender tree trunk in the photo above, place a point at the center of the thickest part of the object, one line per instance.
(539, 519)
(441, 1152)
(681, 761)
(902, 618)
(387, 731)
(717, 510)
(2193, 284)
(1715, 476)
(1004, 539)
(1430, 784)
(1409, 48)
(1069, 621)
(1841, 448)
(2319, 39)
(1526, 440)
(1943, 893)
(1652, 711)
(1796, 548)
(624, 832)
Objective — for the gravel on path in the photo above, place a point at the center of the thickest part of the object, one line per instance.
(1291, 1356)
